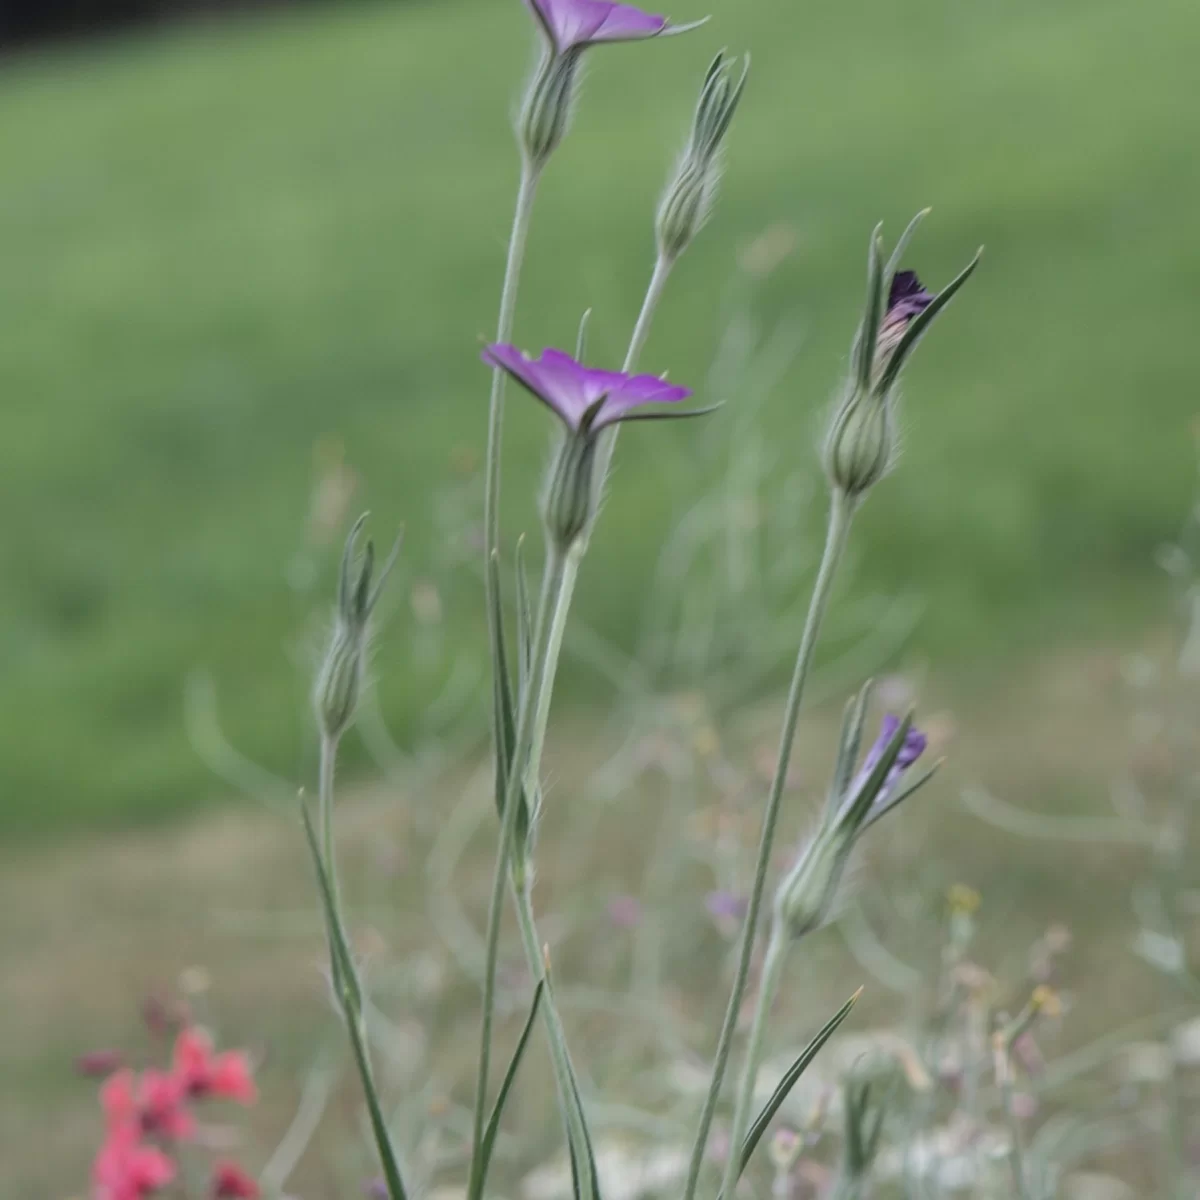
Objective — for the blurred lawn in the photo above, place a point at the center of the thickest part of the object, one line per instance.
(218, 246)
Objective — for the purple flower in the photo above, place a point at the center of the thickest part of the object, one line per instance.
(907, 298)
(585, 399)
(576, 24)
(912, 748)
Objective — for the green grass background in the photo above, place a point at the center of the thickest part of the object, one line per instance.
(219, 244)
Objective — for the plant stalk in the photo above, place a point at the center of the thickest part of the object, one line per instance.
(841, 510)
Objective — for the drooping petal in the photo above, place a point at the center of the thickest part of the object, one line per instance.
(625, 23)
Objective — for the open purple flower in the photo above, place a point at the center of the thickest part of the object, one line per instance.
(575, 24)
(586, 399)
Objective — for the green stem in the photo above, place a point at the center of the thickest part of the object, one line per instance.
(841, 511)
(560, 1057)
(328, 763)
(772, 972)
(552, 582)
(526, 192)
(1016, 1153)
(641, 330)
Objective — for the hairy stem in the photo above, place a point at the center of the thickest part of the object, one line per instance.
(552, 586)
(768, 986)
(840, 512)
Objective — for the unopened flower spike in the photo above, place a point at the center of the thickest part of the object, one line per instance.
(688, 198)
(898, 312)
(856, 800)
(587, 401)
(569, 27)
(339, 680)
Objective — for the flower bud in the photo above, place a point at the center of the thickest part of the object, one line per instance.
(688, 198)
(569, 500)
(546, 111)
(860, 442)
(807, 892)
(340, 677)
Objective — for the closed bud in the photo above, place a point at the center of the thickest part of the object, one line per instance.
(688, 197)
(569, 500)
(546, 111)
(807, 892)
(340, 677)
(860, 442)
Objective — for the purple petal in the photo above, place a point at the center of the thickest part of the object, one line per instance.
(912, 749)
(576, 23)
(906, 297)
(555, 378)
(635, 392)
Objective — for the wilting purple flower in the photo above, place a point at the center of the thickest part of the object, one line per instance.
(575, 24)
(376, 1189)
(625, 912)
(907, 298)
(584, 398)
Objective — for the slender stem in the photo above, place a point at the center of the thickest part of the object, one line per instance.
(772, 972)
(560, 1057)
(840, 512)
(641, 330)
(552, 580)
(1016, 1153)
(329, 746)
(526, 192)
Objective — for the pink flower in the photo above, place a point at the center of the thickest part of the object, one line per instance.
(203, 1074)
(230, 1181)
(162, 1105)
(154, 1103)
(126, 1170)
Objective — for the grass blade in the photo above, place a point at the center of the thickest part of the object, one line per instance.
(493, 1124)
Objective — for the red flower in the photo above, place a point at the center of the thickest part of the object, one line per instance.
(126, 1170)
(203, 1073)
(117, 1100)
(231, 1182)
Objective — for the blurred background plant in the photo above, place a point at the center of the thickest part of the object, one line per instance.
(218, 272)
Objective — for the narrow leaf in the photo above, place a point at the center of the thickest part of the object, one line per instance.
(493, 1124)
(503, 720)
(789, 1080)
(902, 793)
(897, 259)
(851, 741)
(864, 358)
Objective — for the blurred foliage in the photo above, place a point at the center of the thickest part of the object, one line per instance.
(230, 255)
